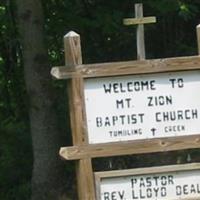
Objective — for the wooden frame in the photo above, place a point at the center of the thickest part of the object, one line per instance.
(126, 148)
(84, 172)
(133, 21)
(143, 171)
(155, 66)
(82, 151)
(128, 68)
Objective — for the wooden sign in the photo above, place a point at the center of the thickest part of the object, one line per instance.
(112, 102)
(175, 182)
(151, 105)
(142, 106)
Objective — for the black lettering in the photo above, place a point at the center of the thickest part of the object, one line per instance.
(122, 117)
(142, 184)
(165, 116)
(159, 100)
(133, 182)
(121, 194)
(120, 103)
(158, 117)
(153, 130)
(107, 122)
(163, 180)
(123, 133)
(99, 122)
(119, 120)
(114, 120)
(128, 102)
(178, 190)
(141, 117)
(176, 128)
(107, 88)
(137, 86)
(172, 82)
(194, 114)
(179, 115)
(170, 180)
(185, 189)
(119, 133)
(134, 119)
(141, 195)
(168, 100)
(173, 115)
(180, 83)
(187, 114)
(116, 87)
(121, 87)
(152, 85)
(156, 180)
(122, 90)
(156, 191)
(111, 133)
(163, 192)
(150, 103)
(113, 196)
(192, 189)
(133, 195)
(145, 84)
(106, 196)
(129, 86)
(149, 193)
(123, 103)
(148, 180)
(198, 189)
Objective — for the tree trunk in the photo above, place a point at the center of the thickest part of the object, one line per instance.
(47, 176)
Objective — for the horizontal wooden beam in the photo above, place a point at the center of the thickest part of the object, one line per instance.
(130, 147)
(63, 72)
(142, 20)
(128, 67)
(149, 170)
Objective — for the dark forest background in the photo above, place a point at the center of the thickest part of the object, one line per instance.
(104, 39)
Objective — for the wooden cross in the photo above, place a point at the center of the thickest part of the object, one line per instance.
(140, 21)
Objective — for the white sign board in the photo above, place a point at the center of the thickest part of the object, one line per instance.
(142, 106)
(159, 186)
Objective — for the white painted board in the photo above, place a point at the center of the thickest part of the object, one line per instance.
(142, 106)
(158, 186)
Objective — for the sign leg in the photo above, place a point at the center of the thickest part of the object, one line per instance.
(85, 179)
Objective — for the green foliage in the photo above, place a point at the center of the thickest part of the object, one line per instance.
(15, 143)
(15, 161)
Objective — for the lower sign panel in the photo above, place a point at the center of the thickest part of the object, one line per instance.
(158, 183)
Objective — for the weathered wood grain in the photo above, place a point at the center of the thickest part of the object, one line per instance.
(84, 172)
(141, 53)
(142, 20)
(139, 20)
(149, 170)
(130, 147)
(72, 46)
(198, 38)
(129, 67)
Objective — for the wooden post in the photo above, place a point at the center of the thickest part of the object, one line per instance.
(198, 38)
(84, 172)
(140, 33)
(140, 21)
